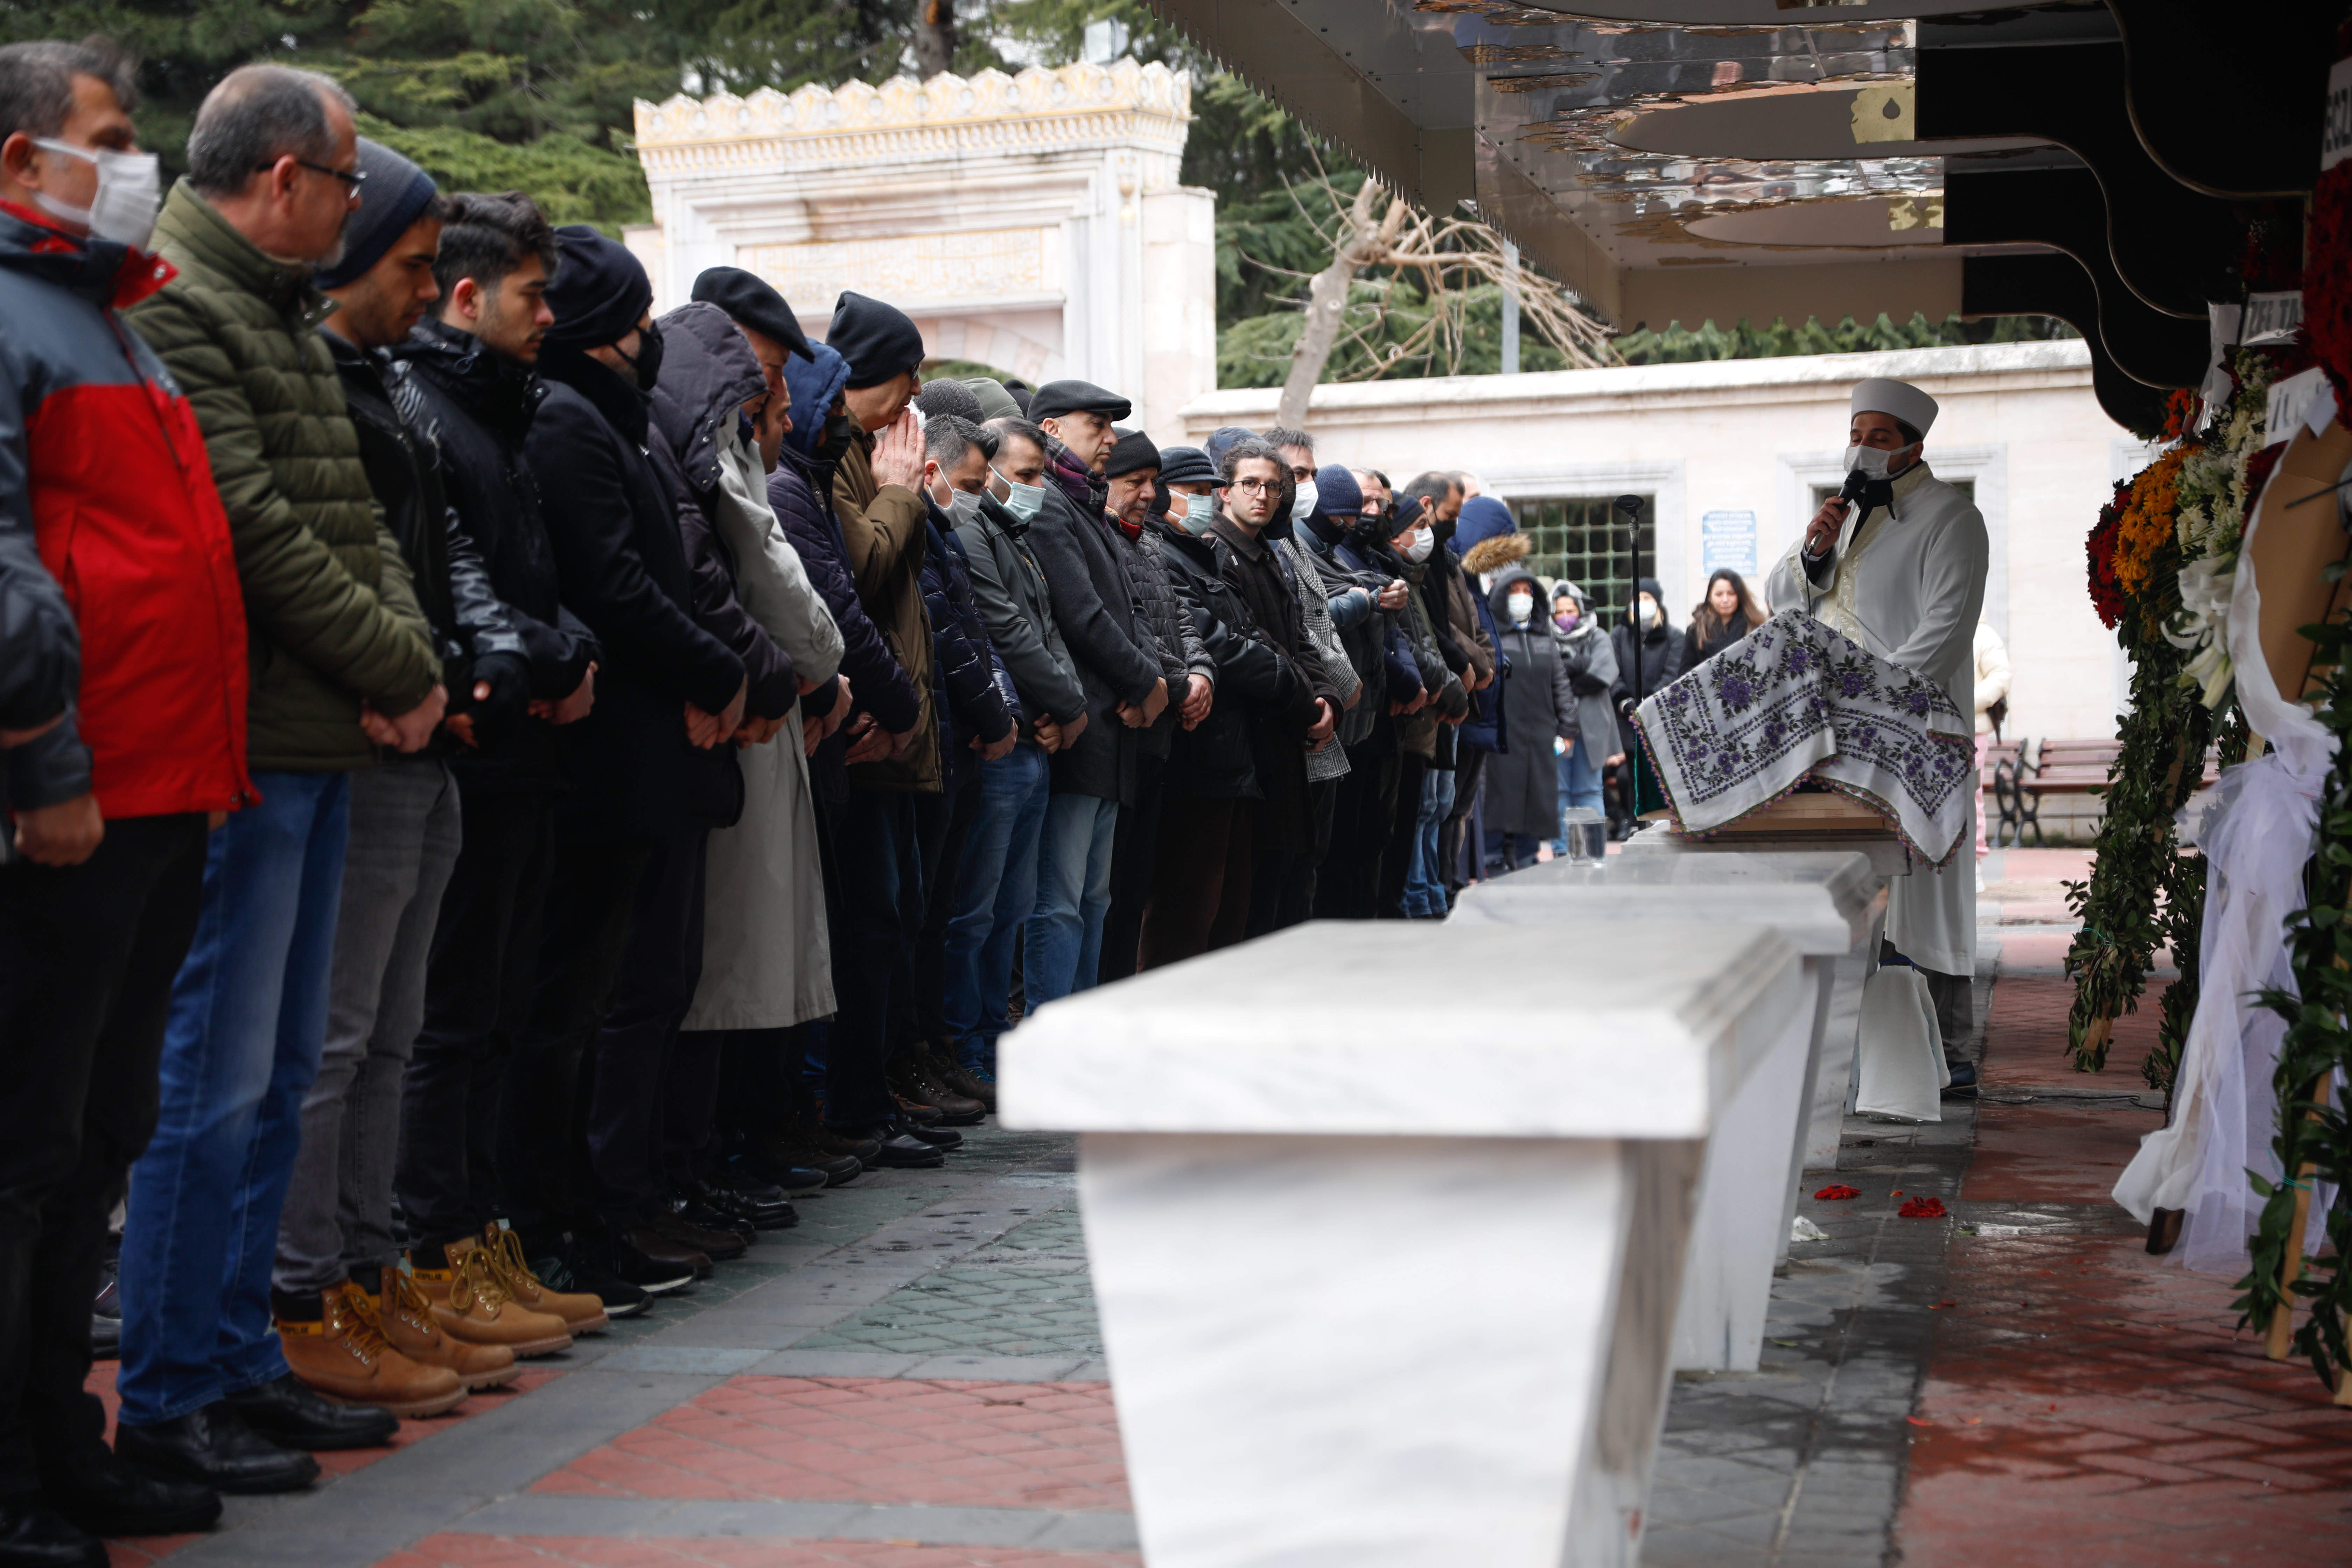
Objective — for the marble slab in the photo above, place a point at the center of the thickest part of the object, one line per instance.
(1827, 904)
(1335, 1027)
(1388, 1272)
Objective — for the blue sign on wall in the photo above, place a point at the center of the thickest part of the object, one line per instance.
(1728, 539)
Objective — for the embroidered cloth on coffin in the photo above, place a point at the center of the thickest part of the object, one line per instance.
(1795, 700)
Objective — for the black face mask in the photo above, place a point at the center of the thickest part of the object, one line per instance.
(838, 432)
(647, 360)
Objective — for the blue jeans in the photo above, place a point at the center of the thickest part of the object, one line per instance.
(1063, 951)
(1424, 880)
(996, 886)
(248, 1020)
(1580, 785)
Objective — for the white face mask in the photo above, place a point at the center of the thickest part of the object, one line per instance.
(1022, 500)
(129, 192)
(1521, 605)
(1199, 512)
(963, 506)
(1423, 542)
(1304, 502)
(1869, 460)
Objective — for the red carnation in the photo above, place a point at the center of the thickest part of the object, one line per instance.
(1834, 1192)
(1921, 1208)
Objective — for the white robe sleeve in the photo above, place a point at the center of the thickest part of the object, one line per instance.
(1942, 641)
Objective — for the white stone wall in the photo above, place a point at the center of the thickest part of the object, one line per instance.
(1742, 436)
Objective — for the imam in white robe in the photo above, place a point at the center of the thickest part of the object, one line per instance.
(1908, 584)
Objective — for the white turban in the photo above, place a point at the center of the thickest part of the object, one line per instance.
(1899, 399)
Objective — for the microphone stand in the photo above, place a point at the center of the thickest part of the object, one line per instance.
(1631, 507)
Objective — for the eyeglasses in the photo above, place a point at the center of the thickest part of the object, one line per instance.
(1252, 487)
(351, 178)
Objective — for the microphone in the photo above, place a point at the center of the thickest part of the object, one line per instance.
(1857, 485)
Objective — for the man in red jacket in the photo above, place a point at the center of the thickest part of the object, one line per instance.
(103, 468)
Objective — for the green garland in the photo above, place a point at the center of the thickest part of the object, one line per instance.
(2313, 1132)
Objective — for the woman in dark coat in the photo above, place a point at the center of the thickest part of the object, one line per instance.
(1522, 784)
(1728, 613)
(1661, 661)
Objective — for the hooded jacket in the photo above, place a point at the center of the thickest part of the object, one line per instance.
(1364, 628)
(330, 616)
(1592, 663)
(1539, 703)
(473, 634)
(474, 409)
(612, 518)
(1662, 654)
(119, 600)
(796, 490)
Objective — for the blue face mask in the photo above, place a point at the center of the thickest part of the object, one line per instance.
(1199, 512)
(1022, 501)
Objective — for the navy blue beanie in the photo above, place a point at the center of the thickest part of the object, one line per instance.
(1336, 493)
(396, 193)
(600, 291)
(1483, 517)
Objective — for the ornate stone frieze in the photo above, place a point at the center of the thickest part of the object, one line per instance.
(1000, 264)
(949, 116)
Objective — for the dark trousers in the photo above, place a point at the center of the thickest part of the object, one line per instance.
(477, 997)
(942, 822)
(881, 858)
(87, 957)
(1296, 901)
(648, 1073)
(1404, 822)
(758, 1085)
(1468, 768)
(1200, 895)
(1135, 850)
(1363, 808)
(542, 1163)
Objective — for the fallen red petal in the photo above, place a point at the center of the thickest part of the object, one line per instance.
(1921, 1208)
(1836, 1193)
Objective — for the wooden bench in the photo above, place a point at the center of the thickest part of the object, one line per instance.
(2031, 769)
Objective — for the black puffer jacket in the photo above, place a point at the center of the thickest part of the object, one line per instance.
(1018, 611)
(472, 633)
(1214, 759)
(965, 691)
(612, 519)
(476, 407)
(709, 373)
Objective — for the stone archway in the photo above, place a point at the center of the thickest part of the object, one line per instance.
(1032, 221)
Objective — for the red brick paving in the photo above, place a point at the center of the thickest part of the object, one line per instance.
(597, 1551)
(2025, 1031)
(1029, 1445)
(2087, 1405)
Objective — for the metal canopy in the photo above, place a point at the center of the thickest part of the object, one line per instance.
(1727, 159)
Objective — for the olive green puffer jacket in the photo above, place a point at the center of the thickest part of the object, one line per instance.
(330, 613)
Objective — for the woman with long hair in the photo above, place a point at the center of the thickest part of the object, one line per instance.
(1728, 613)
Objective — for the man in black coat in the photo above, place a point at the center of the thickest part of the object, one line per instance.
(406, 829)
(1255, 482)
(469, 368)
(671, 691)
(1096, 604)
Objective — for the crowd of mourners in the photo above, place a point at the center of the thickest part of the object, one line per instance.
(509, 793)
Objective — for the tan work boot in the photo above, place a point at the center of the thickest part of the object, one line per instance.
(582, 1313)
(405, 1318)
(469, 1304)
(340, 1355)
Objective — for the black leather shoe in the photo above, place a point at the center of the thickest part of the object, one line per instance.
(653, 1264)
(895, 1150)
(719, 1246)
(106, 1318)
(742, 1197)
(288, 1413)
(213, 1447)
(106, 1497)
(791, 1180)
(34, 1535)
(937, 1137)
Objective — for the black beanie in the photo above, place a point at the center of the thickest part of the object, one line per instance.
(878, 340)
(753, 301)
(397, 194)
(1132, 450)
(600, 291)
